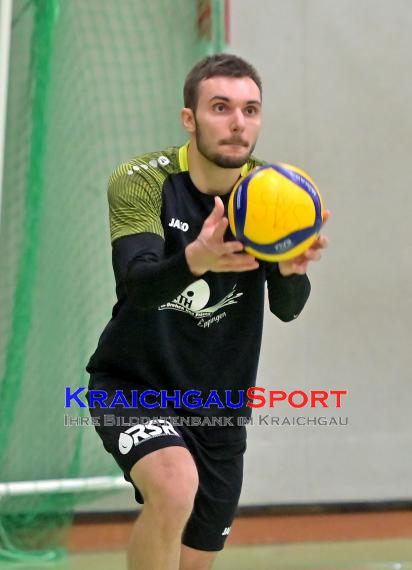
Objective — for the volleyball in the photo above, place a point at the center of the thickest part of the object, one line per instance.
(275, 211)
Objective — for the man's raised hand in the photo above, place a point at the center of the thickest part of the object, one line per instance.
(209, 251)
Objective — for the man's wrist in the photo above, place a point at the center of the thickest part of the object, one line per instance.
(286, 273)
(191, 253)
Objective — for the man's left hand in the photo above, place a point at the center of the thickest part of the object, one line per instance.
(299, 264)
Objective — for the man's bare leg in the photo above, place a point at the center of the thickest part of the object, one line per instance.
(192, 559)
(168, 481)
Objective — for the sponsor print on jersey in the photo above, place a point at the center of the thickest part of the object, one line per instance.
(176, 223)
(194, 299)
(142, 432)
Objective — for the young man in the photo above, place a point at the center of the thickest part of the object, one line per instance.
(188, 317)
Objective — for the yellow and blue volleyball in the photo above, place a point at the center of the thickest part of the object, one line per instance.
(276, 212)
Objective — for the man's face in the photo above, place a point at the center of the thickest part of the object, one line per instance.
(228, 120)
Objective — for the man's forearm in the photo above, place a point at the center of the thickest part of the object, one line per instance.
(150, 278)
(287, 295)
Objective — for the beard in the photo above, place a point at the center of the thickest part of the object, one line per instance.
(222, 160)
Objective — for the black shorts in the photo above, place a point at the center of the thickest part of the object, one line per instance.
(217, 452)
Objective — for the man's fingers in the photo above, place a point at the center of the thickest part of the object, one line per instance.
(230, 269)
(238, 268)
(322, 242)
(238, 262)
(220, 229)
(325, 216)
(232, 247)
(312, 254)
(217, 213)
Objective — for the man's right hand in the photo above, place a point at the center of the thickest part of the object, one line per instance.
(209, 252)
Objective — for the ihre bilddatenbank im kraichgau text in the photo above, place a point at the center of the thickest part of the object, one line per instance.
(254, 397)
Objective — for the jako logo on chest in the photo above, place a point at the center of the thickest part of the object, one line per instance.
(175, 223)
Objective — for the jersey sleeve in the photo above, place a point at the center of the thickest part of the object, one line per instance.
(134, 206)
(144, 274)
(287, 295)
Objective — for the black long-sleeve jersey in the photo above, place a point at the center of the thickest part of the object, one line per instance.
(171, 330)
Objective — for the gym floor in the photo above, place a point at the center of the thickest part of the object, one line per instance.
(380, 540)
(353, 555)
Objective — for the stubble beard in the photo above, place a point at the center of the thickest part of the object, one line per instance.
(220, 160)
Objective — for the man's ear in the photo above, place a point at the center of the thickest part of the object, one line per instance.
(188, 119)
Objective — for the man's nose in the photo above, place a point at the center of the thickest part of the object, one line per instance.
(238, 121)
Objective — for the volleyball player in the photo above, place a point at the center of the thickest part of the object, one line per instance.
(189, 317)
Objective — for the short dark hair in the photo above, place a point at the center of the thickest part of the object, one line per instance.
(220, 64)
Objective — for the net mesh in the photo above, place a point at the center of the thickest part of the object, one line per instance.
(91, 85)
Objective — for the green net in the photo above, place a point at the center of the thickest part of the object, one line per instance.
(92, 83)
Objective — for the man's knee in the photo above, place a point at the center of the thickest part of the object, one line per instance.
(168, 482)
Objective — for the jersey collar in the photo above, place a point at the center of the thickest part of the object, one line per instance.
(184, 164)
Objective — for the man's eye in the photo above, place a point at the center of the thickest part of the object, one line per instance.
(219, 107)
(251, 110)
